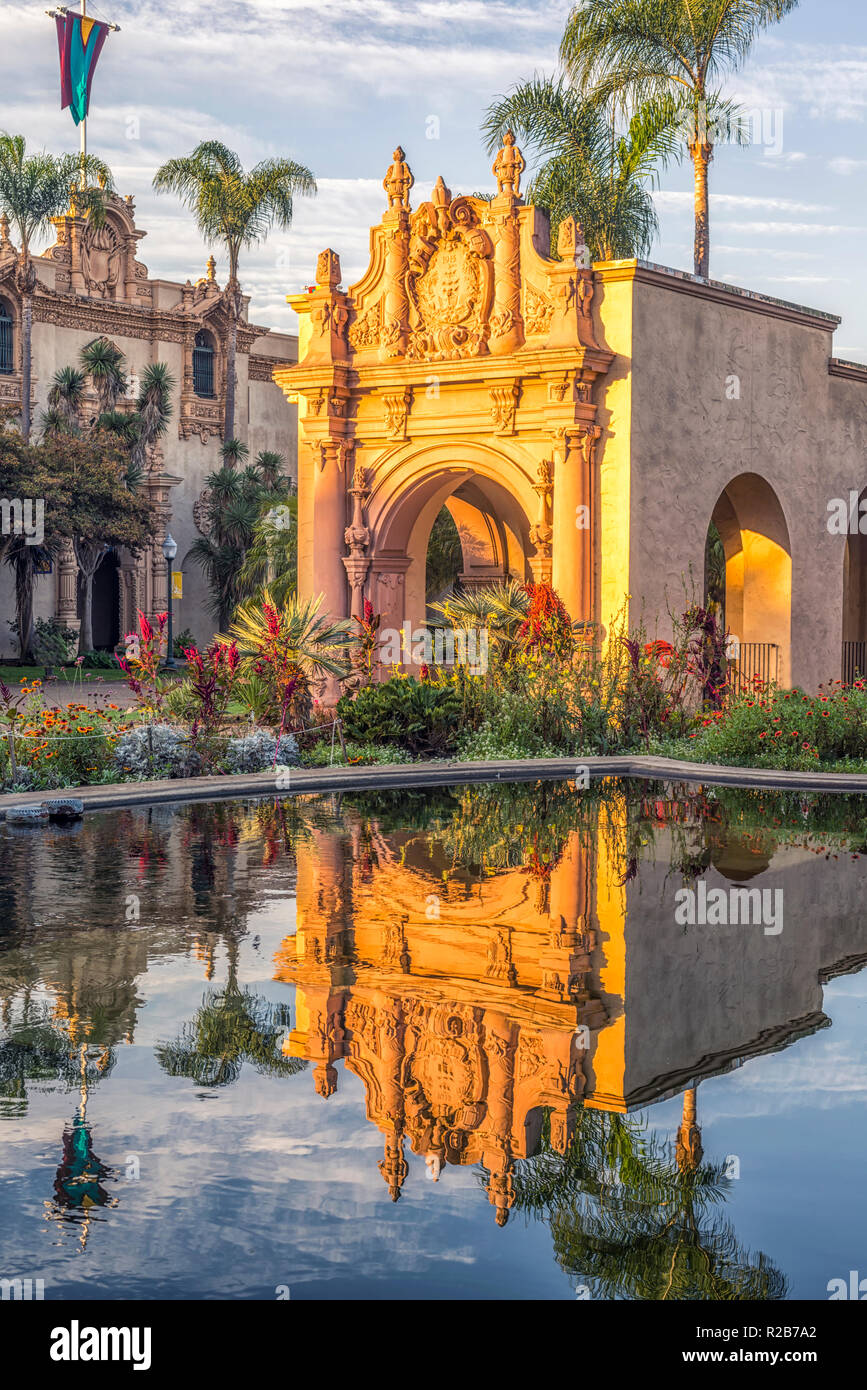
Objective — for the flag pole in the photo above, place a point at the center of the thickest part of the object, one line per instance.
(82, 180)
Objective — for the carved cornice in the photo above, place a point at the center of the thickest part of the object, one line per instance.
(260, 368)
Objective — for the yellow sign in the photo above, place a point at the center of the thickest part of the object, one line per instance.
(177, 584)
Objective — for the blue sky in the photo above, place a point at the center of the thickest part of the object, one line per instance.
(337, 83)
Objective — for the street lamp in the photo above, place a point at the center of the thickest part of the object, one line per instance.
(170, 550)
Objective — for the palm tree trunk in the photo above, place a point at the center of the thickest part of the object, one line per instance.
(26, 362)
(701, 152)
(231, 354)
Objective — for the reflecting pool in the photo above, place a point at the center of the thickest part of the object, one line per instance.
(492, 1042)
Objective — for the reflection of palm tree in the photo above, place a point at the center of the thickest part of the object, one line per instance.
(37, 1051)
(233, 1026)
(635, 1221)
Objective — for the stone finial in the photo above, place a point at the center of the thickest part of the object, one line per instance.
(508, 167)
(572, 244)
(212, 270)
(398, 181)
(328, 269)
(6, 247)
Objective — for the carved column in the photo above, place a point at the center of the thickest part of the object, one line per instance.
(507, 327)
(500, 1044)
(574, 519)
(67, 587)
(395, 324)
(542, 533)
(329, 509)
(357, 538)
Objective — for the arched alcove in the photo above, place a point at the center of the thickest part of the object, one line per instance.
(758, 574)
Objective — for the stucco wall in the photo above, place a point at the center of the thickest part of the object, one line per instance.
(723, 385)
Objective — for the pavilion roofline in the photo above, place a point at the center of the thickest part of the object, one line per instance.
(681, 281)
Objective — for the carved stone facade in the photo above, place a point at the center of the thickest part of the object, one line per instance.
(584, 424)
(443, 366)
(90, 283)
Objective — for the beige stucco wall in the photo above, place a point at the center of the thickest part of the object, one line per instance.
(693, 430)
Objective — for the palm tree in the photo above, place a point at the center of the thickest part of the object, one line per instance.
(634, 51)
(34, 189)
(586, 169)
(634, 1220)
(153, 410)
(238, 209)
(66, 396)
(499, 608)
(233, 507)
(234, 452)
(272, 559)
(104, 364)
(233, 1026)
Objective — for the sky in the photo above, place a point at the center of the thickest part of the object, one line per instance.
(336, 84)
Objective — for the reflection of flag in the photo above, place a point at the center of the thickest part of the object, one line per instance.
(80, 41)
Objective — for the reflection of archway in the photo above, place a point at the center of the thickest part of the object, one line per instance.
(758, 568)
(491, 500)
(855, 602)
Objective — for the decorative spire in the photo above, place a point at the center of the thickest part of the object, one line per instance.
(508, 167)
(6, 247)
(398, 181)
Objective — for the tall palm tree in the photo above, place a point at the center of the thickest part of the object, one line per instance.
(66, 397)
(34, 189)
(233, 507)
(632, 1220)
(153, 410)
(104, 364)
(236, 208)
(586, 169)
(633, 51)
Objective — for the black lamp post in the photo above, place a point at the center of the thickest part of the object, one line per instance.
(170, 550)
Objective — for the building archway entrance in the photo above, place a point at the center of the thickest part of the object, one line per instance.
(855, 599)
(493, 527)
(752, 529)
(458, 372)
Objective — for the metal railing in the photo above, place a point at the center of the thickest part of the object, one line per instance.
(854, 661)
(755, 659)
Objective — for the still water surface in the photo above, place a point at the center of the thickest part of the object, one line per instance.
(451, 1045)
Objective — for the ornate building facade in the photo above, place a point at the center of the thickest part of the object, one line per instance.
(91, 284)
(583, 424)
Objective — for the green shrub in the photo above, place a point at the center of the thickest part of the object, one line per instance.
(786, 729)
(416, 715)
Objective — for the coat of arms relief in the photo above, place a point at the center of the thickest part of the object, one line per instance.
(450, 279)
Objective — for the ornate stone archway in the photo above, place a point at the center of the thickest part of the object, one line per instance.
(460, 366)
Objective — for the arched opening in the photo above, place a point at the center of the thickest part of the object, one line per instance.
(755, 583)
(855, 599)
(106, 603)
(203, 364)
(493, 531)
(7, 339)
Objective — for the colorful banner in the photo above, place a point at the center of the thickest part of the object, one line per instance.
(80, 41)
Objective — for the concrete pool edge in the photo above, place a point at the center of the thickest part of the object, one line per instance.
(308, 781)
